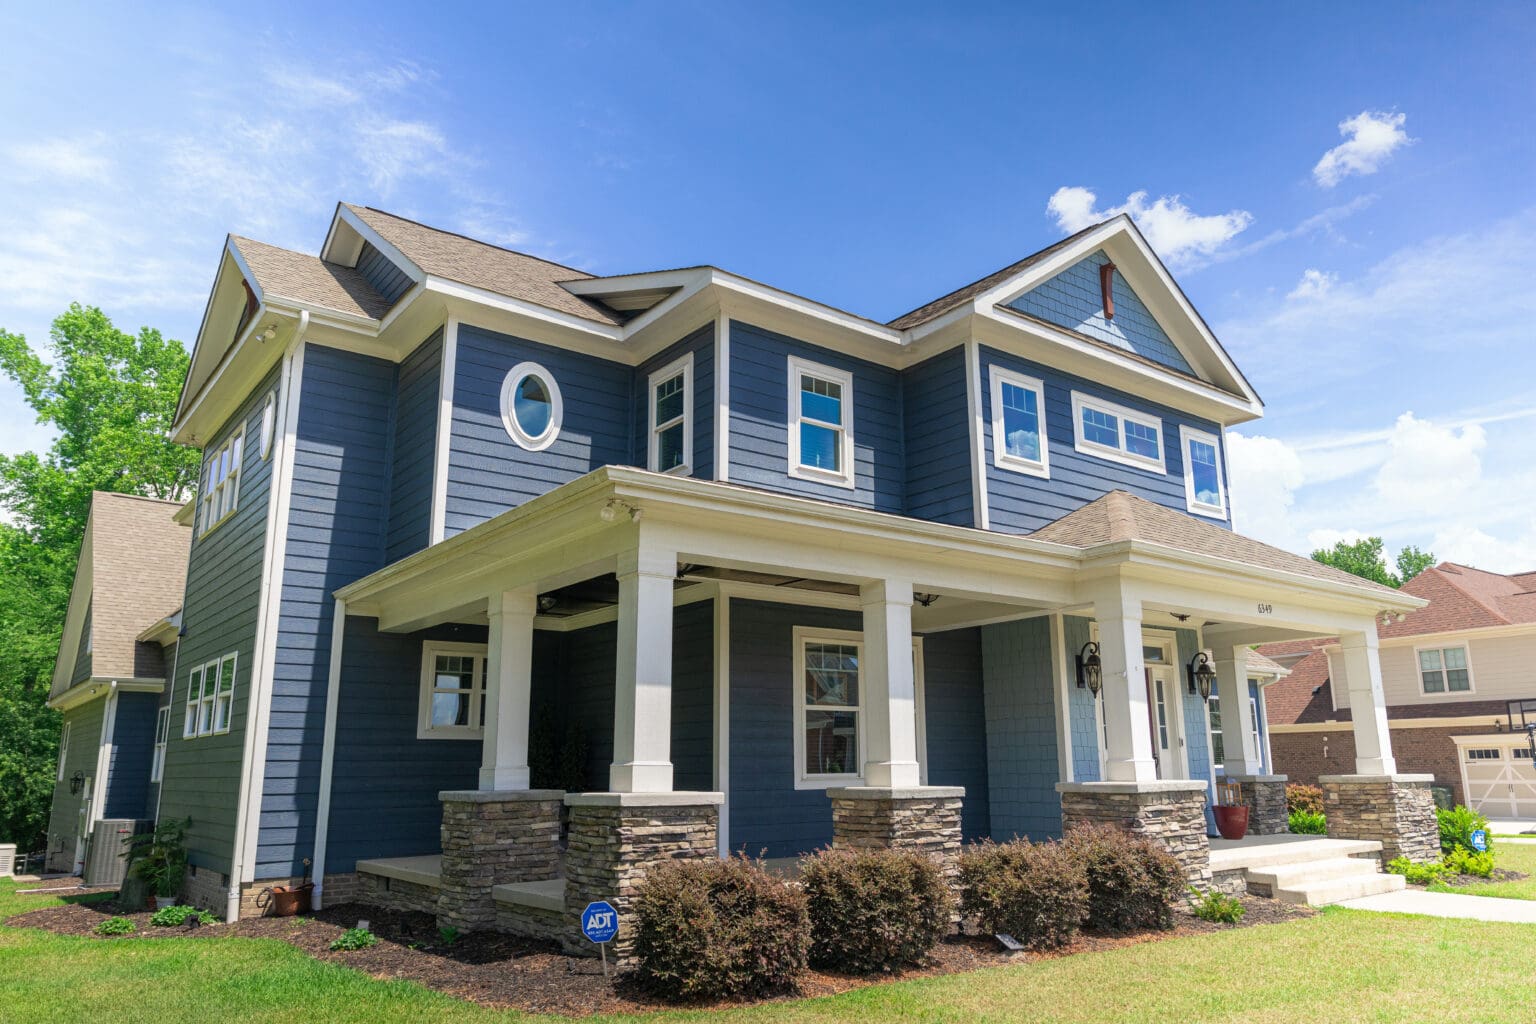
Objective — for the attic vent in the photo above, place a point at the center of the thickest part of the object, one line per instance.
(1107, 289)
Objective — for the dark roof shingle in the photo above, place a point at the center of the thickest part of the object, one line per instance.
(310, 280)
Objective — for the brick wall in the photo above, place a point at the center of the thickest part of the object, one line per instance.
(1303, 756)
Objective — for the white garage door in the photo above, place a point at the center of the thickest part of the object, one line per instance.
(1498, 776)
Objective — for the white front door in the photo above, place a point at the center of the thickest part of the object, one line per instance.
(1163, 716)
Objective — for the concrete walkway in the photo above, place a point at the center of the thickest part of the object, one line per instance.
(1447, 904)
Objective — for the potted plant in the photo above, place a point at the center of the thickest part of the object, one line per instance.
(287, 900)
(1230, 811)
(159, 858)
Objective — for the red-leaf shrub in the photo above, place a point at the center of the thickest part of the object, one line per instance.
(1132, 881)
(1036, 892)
(873, 910)
(1303, 798)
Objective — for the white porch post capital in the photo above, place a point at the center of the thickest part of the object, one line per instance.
(1240, 753)
(1129, 731)
(1367, 703)
(508, 689)
(890, 700)
(642, 704)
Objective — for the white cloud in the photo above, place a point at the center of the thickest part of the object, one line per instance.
(1468, 545)
(1177, 233)
(1430, 468)
(1266, 473)
(391, 150)
(1370, 137)
(76, 159)
(1314, 284)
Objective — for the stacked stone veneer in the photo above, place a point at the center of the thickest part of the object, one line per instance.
(1264, 796)
(925, 819)
(393, 893)
(617, 838)
(494, 837)
(1169, 811)
(1397, 811)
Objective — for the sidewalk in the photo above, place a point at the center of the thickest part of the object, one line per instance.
(1447, 904)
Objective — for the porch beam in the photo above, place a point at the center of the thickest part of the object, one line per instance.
(508, 689)
(1126, 725)
(1368, 703)
(1241, 756)
(889, 699)
(642, 706)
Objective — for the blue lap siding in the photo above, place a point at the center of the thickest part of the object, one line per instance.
(133, 743)
(415, 450)
(955, 724)
(702, 344)
(938, 440)
(387, 279)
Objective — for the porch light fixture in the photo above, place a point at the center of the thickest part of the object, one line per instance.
(1090, 670)
(925, 599)
(76, 783)
(1202, 677)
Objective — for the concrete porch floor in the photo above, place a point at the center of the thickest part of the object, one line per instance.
(424, 870)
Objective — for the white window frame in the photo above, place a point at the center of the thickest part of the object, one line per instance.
(525, 440)
(1197, 507)
(1255, 733)
(1001, 457)
(162, 739)
(683, 366)
(210, 704)
(63, 749)
(430, 649)
(219, 499)
(1444, 673)
(798, 368)
(1211, 732)
(1122, 415)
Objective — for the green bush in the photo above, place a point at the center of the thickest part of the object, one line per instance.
(1303, 798)
(1306, 823)
(1416, 874)
(718, 928)
(1216, 906)
(873, 910)
(1036, 892)
(116, 926)
(171, 917)
(1457, 826)
(1132, 881)
(355, 938)
(1461, 861)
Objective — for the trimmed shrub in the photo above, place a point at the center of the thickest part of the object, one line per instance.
(172, 917)
(354, 938)
(116, 926)
(716, 928)
(1416, 874)
(1215, 906)
(1303, 798)
(1036, 892)
(1457, 826)
(1469, 862)
(1306, 823)
(873, 910)
(1132, 881)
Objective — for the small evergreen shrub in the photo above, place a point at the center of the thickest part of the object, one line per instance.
(1215, 906)
(1461, 861)
(172, 917)
(1036, 892)
(1457, 826)
(1306, 823)
(1303, 798)
(1132, 881)
(355, 938)
(1416, 874)
(116, 926)
(717, 928)
(873, 910)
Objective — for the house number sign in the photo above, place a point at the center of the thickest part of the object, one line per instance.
(1266, 609)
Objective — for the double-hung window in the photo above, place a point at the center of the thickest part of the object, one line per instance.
(162, 735)
(1445, 670)
(1113, 432)
(1253, 725)
(1203, 485)
(219, 490)
(828, 701)
(210, 697)
(452, 691)
(671, 418)
(1018, 423)
(820, 423)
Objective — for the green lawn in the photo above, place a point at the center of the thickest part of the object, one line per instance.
(1339, 966)
(1512, 857)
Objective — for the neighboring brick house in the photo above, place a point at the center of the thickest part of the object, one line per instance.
(1456, 675)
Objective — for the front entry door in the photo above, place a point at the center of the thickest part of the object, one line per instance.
(1160, 715)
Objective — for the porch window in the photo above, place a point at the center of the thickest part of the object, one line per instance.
(1445, 670)
(1113, 432)
(452, 691)
(219, 490)
(821, 423)
(830, 713)
(1204, 492)
(1218, 742)
(162, 735)
(1253, 725)
(1018, 423)
(671, 417)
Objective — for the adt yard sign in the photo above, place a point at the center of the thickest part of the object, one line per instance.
(600, 922)
(1480, 839)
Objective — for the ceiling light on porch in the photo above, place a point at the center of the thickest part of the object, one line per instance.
(1090, 670)
(925, 599)
(1202, 677)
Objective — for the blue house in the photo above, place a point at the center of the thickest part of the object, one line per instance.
(507, 580)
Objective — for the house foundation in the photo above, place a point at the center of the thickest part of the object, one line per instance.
(491, 838)
(1170, 811)
(1397, 811)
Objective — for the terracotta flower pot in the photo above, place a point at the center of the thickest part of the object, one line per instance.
(290, 900)
(1231, 820)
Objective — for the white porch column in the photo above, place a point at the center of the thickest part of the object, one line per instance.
(1241, 756)
(1129, 730)
(1368, 704)
(642, 706)
(508, 687)
(889, 699)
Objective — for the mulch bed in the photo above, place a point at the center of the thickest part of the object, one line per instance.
(502, 971)
(1499, 875)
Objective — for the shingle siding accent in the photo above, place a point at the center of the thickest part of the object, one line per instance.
(387, 279)
(938, 440)
(415, 450)
(1021, 755)
(1197, 742)
(1082, 715)
(955, 724)
(1074, 300)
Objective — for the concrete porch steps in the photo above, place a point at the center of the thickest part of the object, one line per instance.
(1306, 870)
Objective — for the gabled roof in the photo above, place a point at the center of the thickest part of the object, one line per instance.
(1462, 597)
(1121, 516)
(1302, 696)
(309, 280)
(1259, 665)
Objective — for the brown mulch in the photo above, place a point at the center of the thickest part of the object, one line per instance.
(503, 971)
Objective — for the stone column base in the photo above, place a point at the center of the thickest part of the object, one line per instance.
(616, 838)
(921, 818)
(1171, 811)
(494, 837)
(1397, 811)
(1264, 796)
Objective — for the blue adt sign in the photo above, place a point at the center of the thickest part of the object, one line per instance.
(600, 922)
(1480, 840)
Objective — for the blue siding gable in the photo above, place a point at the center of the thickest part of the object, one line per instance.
(387, 279)
(938, 440)
(415, 450)
(1072, 299)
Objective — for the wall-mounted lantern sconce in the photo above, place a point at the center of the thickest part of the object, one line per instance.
(1202, 677)
(76, 783)
(1090, 670)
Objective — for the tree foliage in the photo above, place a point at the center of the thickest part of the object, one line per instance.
(1367, 559)
(111, 396)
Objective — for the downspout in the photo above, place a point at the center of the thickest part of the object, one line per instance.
(171, 704)
(328, 752)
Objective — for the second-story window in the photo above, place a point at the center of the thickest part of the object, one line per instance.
(219, 492)
(531, 408)
(1113, 432)
(1445, 670)
(671, 418)
(210, 697)
(1203, 488)
(820, 423)
(1018, 423)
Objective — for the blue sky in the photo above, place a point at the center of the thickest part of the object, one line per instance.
(1346, 194)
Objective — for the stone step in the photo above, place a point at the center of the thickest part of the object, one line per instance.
(1289, 876)
(1336, 890)
(1297, 851)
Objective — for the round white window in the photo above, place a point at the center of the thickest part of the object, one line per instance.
(268, 424)
(530, 406)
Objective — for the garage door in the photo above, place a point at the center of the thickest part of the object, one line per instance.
(1497, 775)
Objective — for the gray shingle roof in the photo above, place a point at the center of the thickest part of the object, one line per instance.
(310, 280)
(138, 573)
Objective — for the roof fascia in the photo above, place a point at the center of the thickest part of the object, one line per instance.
(373, 238)
(88, 689)
(454, 290)
(79, 600)
(198, 346)
(1515, 629)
